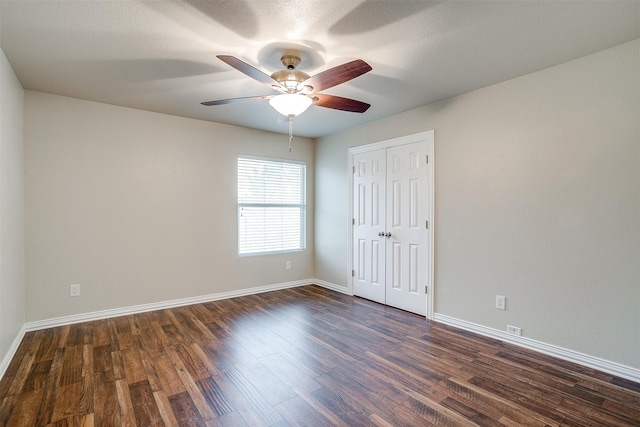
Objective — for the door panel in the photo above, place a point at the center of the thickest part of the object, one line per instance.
(407, 245)
(369, 212)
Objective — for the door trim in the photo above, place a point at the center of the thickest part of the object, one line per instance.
(427, 136)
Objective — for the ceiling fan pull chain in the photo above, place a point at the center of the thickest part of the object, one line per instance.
(290, 131)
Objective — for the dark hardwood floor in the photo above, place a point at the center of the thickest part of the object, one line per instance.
(303, 356)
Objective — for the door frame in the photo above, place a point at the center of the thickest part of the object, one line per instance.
(427, 136)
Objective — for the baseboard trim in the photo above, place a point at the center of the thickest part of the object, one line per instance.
(115, 312)
(607, 366)
(331, 286)
(4, 364)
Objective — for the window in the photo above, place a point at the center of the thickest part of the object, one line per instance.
(271, 205)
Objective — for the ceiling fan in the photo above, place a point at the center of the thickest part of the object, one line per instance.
(297, 89)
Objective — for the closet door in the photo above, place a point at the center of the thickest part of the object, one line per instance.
(368, 225)
(406, 244)
(390, 202)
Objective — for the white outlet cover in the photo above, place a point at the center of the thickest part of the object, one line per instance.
(514, 330)
(74, 290)
(501, 302)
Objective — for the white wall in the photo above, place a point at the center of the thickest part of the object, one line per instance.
(12, 283)
(537, 199)
(139, 207)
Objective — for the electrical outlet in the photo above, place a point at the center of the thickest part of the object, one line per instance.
(74, 290)
(287, 265)
(501, 302)
(514, 330)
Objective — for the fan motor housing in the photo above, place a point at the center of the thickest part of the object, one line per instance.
(290, 78)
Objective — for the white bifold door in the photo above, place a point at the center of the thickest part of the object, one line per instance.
(391, 255)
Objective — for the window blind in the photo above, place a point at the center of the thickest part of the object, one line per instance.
(271, 205)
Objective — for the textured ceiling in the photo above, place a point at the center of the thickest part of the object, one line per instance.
(161, 55)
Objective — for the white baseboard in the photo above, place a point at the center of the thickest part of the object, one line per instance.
(105, 314)
(331, 286)
(607, 366)
(4, 364)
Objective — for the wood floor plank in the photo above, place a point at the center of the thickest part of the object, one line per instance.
(152, 340)
(37, 377)
(397, 374)
(434, 413)
(117, 365)
(266, 382)
(538, 402)
(74, 421)
(66, 402)
(102, 361)
(125, 341)
(71, 369)
(378, 421)
(621, 409)
(581, 410)
(254, 407)
(185, 411)
(125, 406)
(145, 409)
(195, 360)
(45, 409)
(23, 413)
(625, 383)
(217, 355)
(170, 381)
(321, 408)
(191, 387)
(164, 408)
(63, 336)
(611, 392)
(297, 412)
(491, 405)
(349, 413)
(105, 400)
(290, 373)
(366, 384)
(151, 374)
(304, 356)
(133, 367)
(217, 400)
(100, 333)
(22, 375)
(76, 334)
(31, 342)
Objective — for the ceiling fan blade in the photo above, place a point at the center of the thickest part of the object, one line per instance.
(250, 71)
(336, 75)
(232, 100)
(340, 103)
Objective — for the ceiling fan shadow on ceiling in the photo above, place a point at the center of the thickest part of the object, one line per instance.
(298, 90)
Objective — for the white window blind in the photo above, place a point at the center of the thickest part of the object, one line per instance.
(271, 205)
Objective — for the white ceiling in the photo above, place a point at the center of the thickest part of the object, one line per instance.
(161, 55)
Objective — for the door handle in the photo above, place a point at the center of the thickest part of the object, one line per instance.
(380, 234)
(387, 234)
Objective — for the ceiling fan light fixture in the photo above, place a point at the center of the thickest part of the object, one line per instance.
(290, 104)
